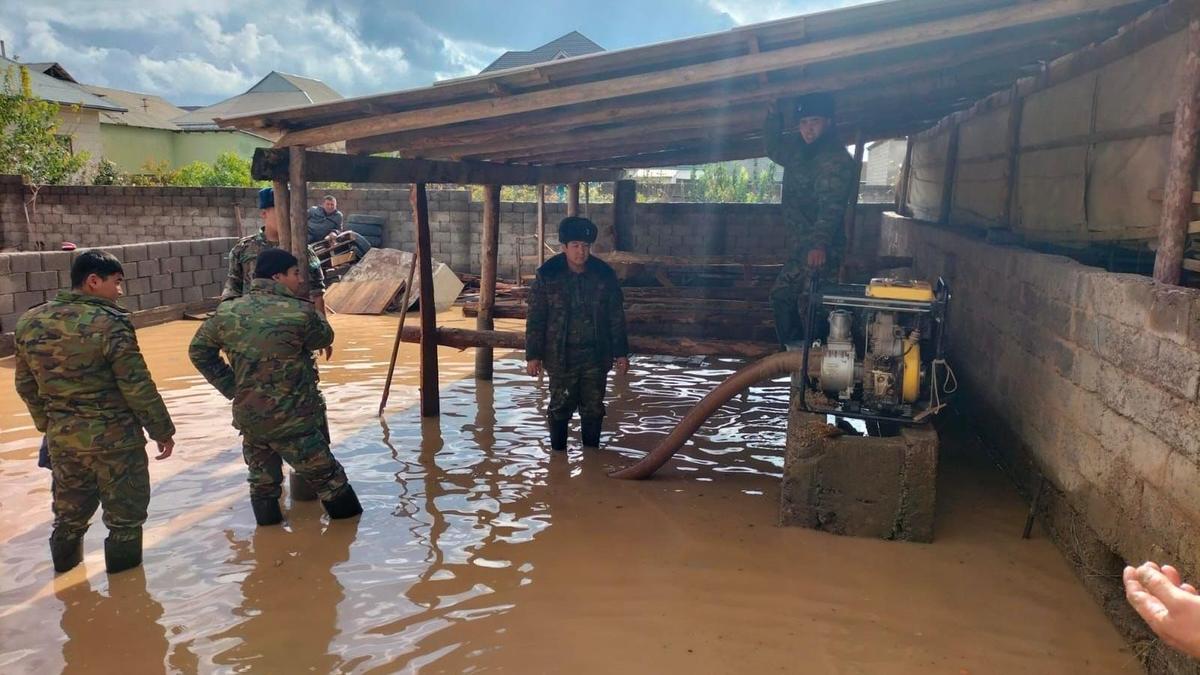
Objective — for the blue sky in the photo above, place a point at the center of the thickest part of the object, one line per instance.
(195, 53)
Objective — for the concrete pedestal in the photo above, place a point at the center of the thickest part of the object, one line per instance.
(857, 485)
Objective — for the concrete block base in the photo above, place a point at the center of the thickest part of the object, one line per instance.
(858, 485)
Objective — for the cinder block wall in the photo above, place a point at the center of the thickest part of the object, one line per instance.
(161, 273)
(1095, 374)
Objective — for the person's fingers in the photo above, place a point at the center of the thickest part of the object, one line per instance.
(1160, 586)
(1173, 574)
(1147, 606)
(1189, 588)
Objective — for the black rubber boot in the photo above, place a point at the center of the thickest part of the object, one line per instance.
(300, 489)
(122, 555)
(266, 511)
(558, 434)
(345, 505)
(66, 554)
(589, 431)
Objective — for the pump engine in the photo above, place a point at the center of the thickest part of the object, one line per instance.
(876, 351)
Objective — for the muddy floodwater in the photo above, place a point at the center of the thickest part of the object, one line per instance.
(480, 550)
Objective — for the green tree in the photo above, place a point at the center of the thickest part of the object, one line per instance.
(731, 183)
(228, 170)
(29, 143)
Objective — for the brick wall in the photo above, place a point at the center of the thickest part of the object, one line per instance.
(161, 273)
(1094, 374)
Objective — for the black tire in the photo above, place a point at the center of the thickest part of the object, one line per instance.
(366, 229)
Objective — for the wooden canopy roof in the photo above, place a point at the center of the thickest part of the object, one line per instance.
(894, 67)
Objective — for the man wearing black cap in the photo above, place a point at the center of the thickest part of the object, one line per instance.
(575, 331)
(246, 251)
(268, 336)
(818, 176)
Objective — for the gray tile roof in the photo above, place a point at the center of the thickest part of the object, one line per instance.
(571, 44)
(141, 110)
(59, 91)
(276, 90)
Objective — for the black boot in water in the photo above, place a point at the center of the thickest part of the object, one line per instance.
(590, 431)
(558, 434)
(266, 511)
(66, 554)
(122, 555)
(345, 505)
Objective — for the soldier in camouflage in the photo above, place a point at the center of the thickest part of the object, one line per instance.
(817, 183)
(81, 375)
(246, 251)
(575, 331)
(269, 336)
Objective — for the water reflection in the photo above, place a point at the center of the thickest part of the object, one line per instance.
(126, 611)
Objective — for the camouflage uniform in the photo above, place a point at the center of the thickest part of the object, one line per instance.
(269, 336)
(80, 373)
(817, 183)
(576, 328)
(241, 267)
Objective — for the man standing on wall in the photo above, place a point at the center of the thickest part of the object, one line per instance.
(818, 176)
(575, 331)
(246, 251)
(268, 336)
(83, 378)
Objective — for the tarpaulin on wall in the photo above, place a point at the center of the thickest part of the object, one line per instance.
(928, 175)
(981, 178)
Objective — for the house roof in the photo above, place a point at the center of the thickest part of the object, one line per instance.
(63, 92)
(141, 110)
(894, 68)
(571, 44)
(52, 69)
(276, 90)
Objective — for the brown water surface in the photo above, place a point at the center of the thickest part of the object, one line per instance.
(480, 550)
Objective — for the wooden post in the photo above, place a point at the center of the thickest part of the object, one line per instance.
(905, 178)
(430, 403)
(541, 223)
(573, 199)
(487, 277)
(850, 220)
(948, 178)
(1181, 168)
(283, 217)
(587, 198)
(624, 213)
(298, 206)
(1016, 113)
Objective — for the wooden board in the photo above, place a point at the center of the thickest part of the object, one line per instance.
(363, 297)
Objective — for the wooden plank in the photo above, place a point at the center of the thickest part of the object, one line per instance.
(283, 216)
(298, 208)
(371, 296)
(430, 400)
(272, 164)
(624, 214)
(1025, 14)
(1156, 195)
(1191, 265)
(541, 223)
(1178, 195)
(487, 276)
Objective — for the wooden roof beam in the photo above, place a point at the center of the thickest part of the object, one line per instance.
(1023, 15)
(273, 163)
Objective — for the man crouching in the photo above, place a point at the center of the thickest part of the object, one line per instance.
(575, 330)
(269, 336)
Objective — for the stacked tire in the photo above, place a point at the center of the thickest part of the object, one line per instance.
(370, 227)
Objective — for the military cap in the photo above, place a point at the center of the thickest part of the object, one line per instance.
(815, 105)
(273, 261)
(575, 228)
(266, 198)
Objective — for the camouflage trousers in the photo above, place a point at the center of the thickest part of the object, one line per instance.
(307, 453)
(118, 480)
(578, 387)
(789, 293)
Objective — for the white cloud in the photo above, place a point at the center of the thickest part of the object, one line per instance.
(181, 76)
(743, 12)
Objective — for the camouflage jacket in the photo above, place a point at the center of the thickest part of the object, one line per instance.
(83, 378)
(241, 266)
(817, 184)
(268, 337)
(549, 321)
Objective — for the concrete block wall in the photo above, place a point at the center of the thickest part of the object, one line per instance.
(156, 274)
(1095, 374)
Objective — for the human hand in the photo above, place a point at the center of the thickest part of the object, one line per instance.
(622, 365)
(165, 448)
(816, 258)
(1169, 607)
(533, 367)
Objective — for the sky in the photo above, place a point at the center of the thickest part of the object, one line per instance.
(198, 53)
